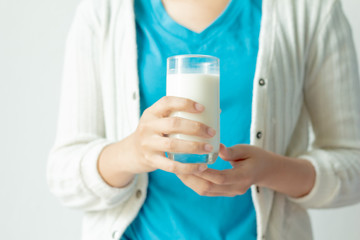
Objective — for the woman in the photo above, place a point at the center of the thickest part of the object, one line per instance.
(297, 70)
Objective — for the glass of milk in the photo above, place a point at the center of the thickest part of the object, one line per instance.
(196, 77)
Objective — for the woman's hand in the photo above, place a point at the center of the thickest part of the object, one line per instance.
(253, 166)
(151, 140)
(144, 150)
(249, 165)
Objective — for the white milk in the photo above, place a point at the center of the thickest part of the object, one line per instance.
(201, 88)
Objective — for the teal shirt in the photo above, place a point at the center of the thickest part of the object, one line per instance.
(171, 209)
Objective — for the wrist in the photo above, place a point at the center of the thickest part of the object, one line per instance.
(291, 176)
(270, 166)
(113, 165)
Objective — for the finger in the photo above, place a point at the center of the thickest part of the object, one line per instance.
(236, 152)
(168, 165)
(222, 151)
(207, 188)
(184, 126)
(168, 104)
(223, 177)
(168, 144)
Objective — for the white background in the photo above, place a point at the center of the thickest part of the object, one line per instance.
(32, 36)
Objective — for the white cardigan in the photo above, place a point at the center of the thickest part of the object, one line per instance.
(307, 59)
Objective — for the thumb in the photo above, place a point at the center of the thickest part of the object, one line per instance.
(236, 152)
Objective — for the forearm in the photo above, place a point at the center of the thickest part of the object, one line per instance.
(291, 176)
(113, 163)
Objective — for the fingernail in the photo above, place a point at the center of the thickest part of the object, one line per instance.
(202, 168)
(199, 107)
(208, 147)
(211, 132)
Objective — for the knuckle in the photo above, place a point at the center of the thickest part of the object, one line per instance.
(198, 127)
(186, 169)
(174, 122)
(142, 128)
(147, 157)
(165, 99)
(205, 188)
(194, 147)
(170, 144)
(221, 179)
(191, 168)
(172, 167)
(143, 144)
(187, 102)
(230, 152)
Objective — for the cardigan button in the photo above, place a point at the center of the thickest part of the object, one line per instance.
(116, 235)
(134, 96)
(138, 193)
(257, 189)
(262, 82)
(259, 135)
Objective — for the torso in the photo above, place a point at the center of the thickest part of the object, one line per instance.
(172, 210)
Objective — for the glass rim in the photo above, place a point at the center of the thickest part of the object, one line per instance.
(182, 56)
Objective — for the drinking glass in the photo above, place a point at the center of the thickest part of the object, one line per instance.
(196, 77)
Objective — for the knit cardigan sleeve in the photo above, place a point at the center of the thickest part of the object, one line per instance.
(72, 167)
(332, 97)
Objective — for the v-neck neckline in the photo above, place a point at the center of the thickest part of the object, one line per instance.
(171, 26)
